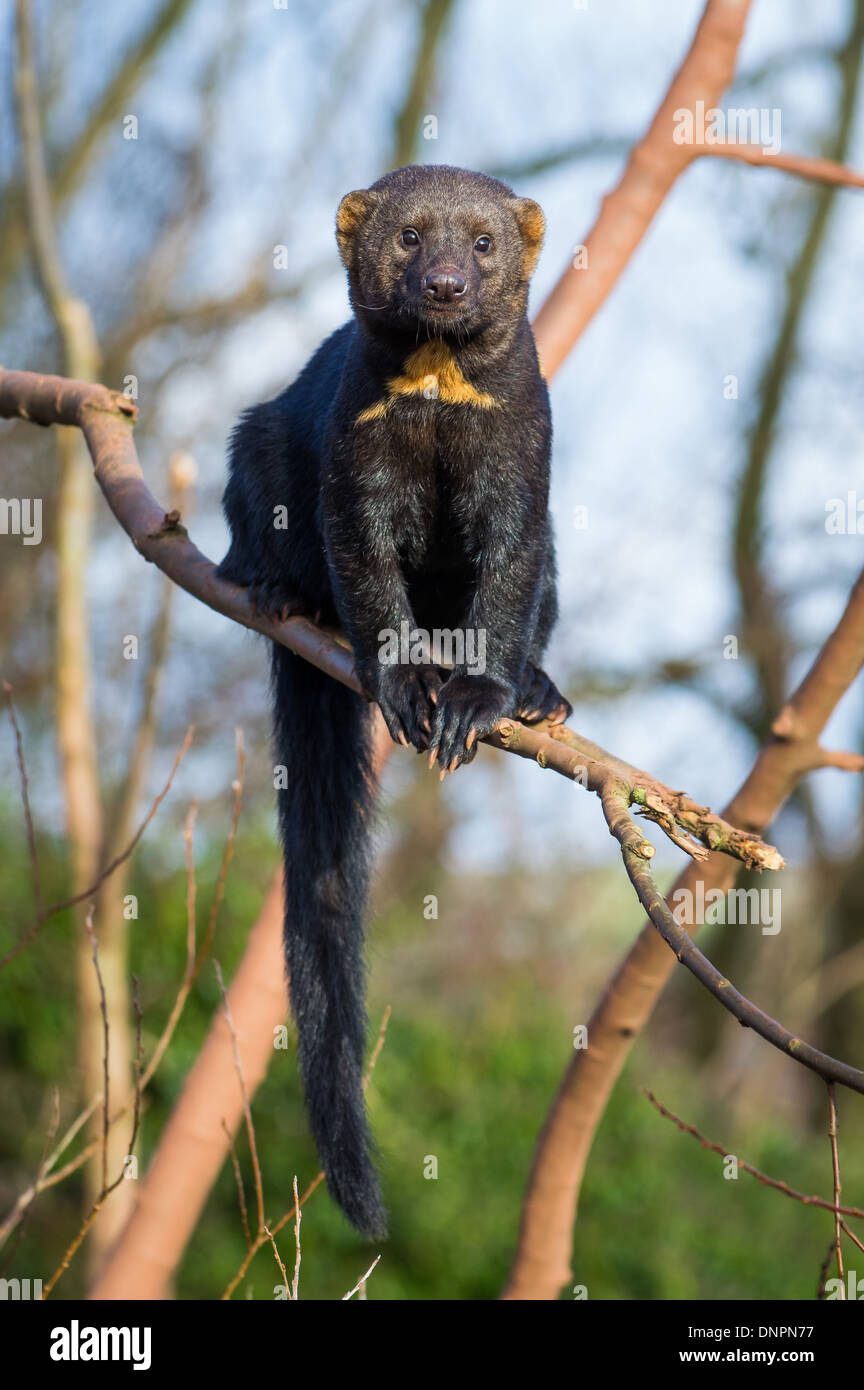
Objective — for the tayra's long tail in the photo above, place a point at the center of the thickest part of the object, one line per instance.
(323, 740)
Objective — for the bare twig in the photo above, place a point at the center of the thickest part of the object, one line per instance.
(724, 1152)
(319, 1177)
(299, 1212)
(106, 1067)
(107, 872)
(835, 1165)
(361, 1282)
(828, 171)
(247, 1109)
(238, 1177)
(27, 1206)
(632, 852)
(282, 1270)
(106, 1191)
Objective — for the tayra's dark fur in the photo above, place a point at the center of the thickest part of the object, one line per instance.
(403, 476)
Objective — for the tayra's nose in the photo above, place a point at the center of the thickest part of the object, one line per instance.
(444, 284)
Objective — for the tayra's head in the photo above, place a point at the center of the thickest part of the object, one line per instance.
(438, 252)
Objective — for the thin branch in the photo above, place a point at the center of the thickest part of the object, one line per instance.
(190, 974)
(541, 1263)
(106, 1069)
(724, 1151)
(361, 1282)
(319, 1177)
(247, 1109)
(238, 1178)
(835, 1166)
(282, 1270)
(625, 832)
(655, 163)
(27, 1206)
(815, 170)
(107, 872)
(298, 1209)
(110, 1187)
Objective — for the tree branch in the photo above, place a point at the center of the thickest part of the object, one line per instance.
(106, 419)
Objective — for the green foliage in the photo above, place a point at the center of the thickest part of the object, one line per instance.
(477, 1041)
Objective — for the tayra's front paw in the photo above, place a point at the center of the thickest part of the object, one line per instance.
(406, 696)
(468, 707)
(540, 698)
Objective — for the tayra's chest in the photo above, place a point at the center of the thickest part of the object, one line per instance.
(432, 413)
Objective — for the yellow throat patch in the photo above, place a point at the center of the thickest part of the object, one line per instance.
(432, 371)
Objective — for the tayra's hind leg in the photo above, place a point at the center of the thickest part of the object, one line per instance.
(540, 698)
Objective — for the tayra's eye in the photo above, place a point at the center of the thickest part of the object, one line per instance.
(483, 245)
(410, 238)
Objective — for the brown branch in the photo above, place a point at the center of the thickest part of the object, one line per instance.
(829, 171)
(776, 1183)
(319, 1177)
(47, 1177)
(106, 419)
(655, 164)
(238, 1179)
(282, 1270)
(106, 1068)
(835, 1166)
(27, 1204)
(193, 1145)
(541, 1262)
(107, 1188)
(247, 1109)
(361, 1282)
(298, 1209)
(542, 1258)
(747, 1013)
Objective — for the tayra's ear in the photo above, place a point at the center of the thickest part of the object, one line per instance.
(532, 225)
(351, 214)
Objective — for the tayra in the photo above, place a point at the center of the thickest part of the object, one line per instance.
(402, 479)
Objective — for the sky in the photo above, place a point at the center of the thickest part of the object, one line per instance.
(645, 437)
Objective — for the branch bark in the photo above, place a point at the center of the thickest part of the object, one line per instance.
(541, 1264)
(194, 1144)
